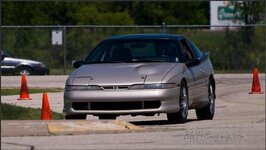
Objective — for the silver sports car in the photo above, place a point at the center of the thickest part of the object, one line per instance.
(142, 74)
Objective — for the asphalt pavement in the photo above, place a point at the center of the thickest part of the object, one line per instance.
(239, 123)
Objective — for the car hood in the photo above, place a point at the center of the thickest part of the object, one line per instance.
(120, 73)
(23, 61)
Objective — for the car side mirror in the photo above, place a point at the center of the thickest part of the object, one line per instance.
(77, 63)
(192, 62)
(205, 55)
(3, 55)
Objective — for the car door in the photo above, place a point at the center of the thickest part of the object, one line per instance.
(203, 78)
(196, 84)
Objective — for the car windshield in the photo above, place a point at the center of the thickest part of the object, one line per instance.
(126, 51)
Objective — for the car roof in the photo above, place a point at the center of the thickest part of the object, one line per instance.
(145, 36)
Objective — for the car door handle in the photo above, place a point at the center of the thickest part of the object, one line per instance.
(201, 70)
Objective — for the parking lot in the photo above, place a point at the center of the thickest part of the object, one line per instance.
(239, 122)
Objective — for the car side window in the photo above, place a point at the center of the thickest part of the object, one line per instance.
(186, 50)
(195, 49)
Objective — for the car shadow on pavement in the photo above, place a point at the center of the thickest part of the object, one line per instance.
(158, 122)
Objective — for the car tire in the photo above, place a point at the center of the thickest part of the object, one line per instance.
(181, 115)
(112, 117)
(207, 112)
(23, 70)
(76, 116)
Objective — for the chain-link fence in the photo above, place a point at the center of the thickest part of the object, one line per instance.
(236, 49)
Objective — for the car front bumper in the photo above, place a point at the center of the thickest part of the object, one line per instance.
(167, 100)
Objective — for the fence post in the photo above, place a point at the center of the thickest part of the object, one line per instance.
(0, 38)
(163, 27)
(65, 51)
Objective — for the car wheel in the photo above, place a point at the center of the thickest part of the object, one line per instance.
(76, 116)
(24, 70)
(181, 115)
(207, 112)
(113, 117)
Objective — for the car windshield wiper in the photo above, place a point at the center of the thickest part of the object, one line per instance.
(147, 60)
(103, 62)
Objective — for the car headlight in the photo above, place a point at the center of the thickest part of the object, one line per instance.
(82, 87)
(153, 86)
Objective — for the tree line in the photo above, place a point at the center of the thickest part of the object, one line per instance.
(230, 49)
(104, 13)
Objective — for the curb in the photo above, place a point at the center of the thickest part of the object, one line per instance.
(60, 127)
(81, 127)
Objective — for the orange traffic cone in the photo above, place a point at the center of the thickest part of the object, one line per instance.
(256, 83)
(24, 93)
(46, 113)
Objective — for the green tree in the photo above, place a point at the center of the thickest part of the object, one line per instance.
(170, 12)
(253, 13)
(89, 14)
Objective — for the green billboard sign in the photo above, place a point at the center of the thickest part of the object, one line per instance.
(228, 13)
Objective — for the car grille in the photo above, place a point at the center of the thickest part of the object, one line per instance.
(116, 87)
(116, 105)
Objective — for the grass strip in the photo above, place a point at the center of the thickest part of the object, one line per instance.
(16, 91)
(13, 112)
